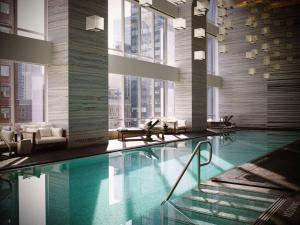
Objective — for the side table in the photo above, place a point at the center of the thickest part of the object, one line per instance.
(24, 147)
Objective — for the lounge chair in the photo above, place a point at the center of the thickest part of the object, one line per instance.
(148, 129)
(8, 141)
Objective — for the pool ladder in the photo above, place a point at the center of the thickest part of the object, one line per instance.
(196, 151)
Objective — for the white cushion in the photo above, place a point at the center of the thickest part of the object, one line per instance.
(7, 135)
(57, 132)
(51, 140)
(181, 123)
(45, 132)
(30, 129)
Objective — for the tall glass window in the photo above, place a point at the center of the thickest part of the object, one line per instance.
(115, 100)
(146, 98)
(146, 33)
(170, 99)
(171, 43)
(31, 24)
(131, 29)
(159, 98)
(212, 103)
(131, 101)
(29, 93)
(212, 55)
(5, 93)
(115, 24)
(6, 16)
(159, 38)
(212, 15)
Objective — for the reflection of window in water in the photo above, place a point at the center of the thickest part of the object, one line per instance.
(32, 199)
(116, 179)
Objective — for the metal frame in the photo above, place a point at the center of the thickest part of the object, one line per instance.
(197, 150)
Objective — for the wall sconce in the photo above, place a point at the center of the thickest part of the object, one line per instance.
(221, 37)
(276, 41)
(265, 16)
(276, 67)
(266, 75)
(198, 12)
(220, 4)
(178, 2)
(265, 30)
(228, 4)
(251, 71)
(276, 54)
(251, 54)
(202, 5)
(199, 33)
(267, 60)
(251, 21)
(265, 47)
(179, 23)
(219, 20)
(290, 58)
(227, 24)
(222, 12)
(146, 3)
(223, 48)
(251, 38)
(199, 55)
(222, 31)
(94, 23)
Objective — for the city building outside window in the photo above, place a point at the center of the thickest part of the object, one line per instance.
(26, 82)
(133, 99)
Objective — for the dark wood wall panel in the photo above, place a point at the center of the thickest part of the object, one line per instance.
(252, 99)
(191, 90)
(88, 74)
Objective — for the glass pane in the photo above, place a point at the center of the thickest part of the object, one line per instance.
(171, 99)
(171, 43)
(211, 15)
(209, 55)
(131, 111)
(146, 98)
(210, 103)
(29, 93)
(5, 99)
(146, 33)
(5, 29)
(115, 100)
(131, 15)
(158, 98)
(159, 37)
(114, 24)
(27, 19)
(4, 8)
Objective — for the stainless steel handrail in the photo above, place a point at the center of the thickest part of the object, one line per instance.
(195, 151)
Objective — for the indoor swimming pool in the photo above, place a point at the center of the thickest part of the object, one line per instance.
(125, 187)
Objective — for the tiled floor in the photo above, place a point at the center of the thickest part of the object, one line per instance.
(52, 155)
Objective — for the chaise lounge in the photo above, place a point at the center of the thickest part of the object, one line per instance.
(148, 129)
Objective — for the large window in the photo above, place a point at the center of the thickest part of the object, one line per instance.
(143, 32)
(132, 12)
(115, 24)
(212, 103)
(212, 12)
(132, 100)
(27, 20)
(26, 83)
(29, 93)
(212, 55)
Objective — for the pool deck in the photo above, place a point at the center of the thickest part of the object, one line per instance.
(53, 155)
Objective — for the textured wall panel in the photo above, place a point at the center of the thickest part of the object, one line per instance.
(88, 75)
(252, 99)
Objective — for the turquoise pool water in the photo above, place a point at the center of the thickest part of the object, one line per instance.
(121, 188)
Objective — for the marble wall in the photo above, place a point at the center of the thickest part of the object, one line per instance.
(257, 100)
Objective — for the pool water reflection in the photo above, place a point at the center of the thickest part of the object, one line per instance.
(122, 187)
